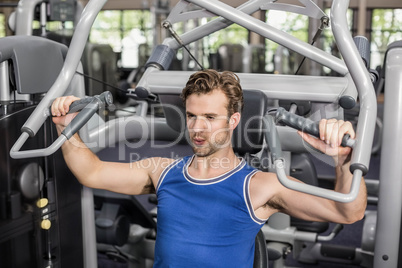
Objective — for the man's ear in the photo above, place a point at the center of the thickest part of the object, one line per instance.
(234, 120)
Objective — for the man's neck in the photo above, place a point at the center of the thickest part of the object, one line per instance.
(213, 165)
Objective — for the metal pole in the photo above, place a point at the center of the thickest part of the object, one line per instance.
(390, 198)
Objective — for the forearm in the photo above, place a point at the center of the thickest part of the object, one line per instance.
(351, 210)
(82, 162)
(343, 177)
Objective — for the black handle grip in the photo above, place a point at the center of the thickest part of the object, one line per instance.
(81, 119)
(363, 46)
(297, 122)
(76, 106)
(306, 125)
(106, 98)
(88, 106)
(272, 137)
(337, 229)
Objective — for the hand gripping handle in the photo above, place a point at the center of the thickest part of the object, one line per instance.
(272, 138)
(83, 116)
(88, 107)
(76, 106)
(306, 125)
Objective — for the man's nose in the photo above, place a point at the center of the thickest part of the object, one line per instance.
(200, 124)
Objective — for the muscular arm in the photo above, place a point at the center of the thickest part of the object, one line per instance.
(127, 178)
(343, 184)
(270, 196)
(331, 134)
(314, 208)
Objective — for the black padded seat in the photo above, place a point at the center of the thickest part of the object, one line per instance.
(260, 253)
(302, 168)
(248, 137)
(47, 55)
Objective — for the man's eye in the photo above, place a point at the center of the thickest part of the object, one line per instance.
(210, 117)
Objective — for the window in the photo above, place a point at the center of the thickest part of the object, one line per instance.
(386, 28)
(327, 38)
(280, 59)
(234, 34)
(285, 61)
(211, 45)
(128, 32)
(2, 25)
(54, 25)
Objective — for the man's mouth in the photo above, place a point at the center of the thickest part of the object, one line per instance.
(197, 141)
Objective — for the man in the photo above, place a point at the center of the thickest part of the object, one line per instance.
(212, 204)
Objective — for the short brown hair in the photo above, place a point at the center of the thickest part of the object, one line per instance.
(205, 81)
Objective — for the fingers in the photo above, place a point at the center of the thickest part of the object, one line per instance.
(61, 105)
(331, 134)
(313, 141)
(332, 131)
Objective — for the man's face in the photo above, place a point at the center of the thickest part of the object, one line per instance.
(208, 122)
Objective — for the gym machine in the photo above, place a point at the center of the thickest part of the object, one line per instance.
(40, 207)
(48, 232)
(334, 92)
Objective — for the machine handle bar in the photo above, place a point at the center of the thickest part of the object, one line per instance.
(88, 106)
(59, 87)
(306, 125)
(273, 141)
(76, 106)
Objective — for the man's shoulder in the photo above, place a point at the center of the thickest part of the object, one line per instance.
(263, 177)
(158, 162)
(264, 174)
(161, 163)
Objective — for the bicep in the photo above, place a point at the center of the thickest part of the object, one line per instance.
(119, 177)
(273, 197)
(129, 178)
(305, 206)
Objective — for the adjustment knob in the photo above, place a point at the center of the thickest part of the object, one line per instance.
(46, 224)
(41, 203)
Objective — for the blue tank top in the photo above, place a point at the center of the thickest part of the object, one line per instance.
(205, 223)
